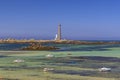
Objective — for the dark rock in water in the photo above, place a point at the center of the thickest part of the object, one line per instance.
(71, 72)
(34, 46)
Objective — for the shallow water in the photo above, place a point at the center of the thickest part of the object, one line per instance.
(81, 60)
(64, 47)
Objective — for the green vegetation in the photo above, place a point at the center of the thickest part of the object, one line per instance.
(67, 65)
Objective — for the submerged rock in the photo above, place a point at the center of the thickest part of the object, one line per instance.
(48, 69)
(18, 61)
(49, 56)
(104, 69)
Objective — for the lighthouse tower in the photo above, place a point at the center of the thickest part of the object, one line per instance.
(58, 37)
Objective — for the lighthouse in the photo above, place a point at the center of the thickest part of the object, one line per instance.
(58, 35)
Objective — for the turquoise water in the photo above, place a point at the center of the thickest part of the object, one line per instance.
(112, 50)
(65, 47)
(68, 59)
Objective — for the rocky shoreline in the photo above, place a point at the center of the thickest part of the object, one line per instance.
(60, 41)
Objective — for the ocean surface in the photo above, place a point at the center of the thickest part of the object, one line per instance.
(63, 47)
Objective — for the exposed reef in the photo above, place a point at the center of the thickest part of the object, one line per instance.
(78, 42)
(84, 42)
(37, 46)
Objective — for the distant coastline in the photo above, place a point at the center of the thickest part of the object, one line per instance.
(60, 41)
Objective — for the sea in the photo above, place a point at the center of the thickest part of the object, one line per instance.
(62, 47)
